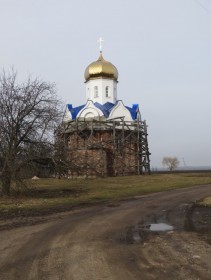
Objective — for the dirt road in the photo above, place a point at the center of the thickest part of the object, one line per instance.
(115, 242)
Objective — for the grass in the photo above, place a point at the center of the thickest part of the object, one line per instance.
(206, 201)
(49, 195)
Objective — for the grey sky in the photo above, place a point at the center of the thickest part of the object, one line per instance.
(162, 49)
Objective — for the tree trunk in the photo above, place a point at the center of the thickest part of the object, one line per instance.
(6, 182)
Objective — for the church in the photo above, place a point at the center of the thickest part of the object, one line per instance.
(104, 137)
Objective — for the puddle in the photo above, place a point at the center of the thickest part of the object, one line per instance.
(160, 227)
(140, 233)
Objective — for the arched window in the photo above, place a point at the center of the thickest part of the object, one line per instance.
(107, 91)
(95, 91)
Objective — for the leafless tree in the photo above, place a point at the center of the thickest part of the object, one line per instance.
(61, 158)
(170, 162)
(28, 114)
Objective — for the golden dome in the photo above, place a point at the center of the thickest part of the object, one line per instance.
(101, 69)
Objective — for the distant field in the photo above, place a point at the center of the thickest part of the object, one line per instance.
(49, 195)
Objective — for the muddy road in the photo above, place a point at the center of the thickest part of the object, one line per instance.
(115, 241)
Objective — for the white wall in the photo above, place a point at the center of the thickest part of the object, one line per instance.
(67, 115)
(101, 84)
(90, 112)
(120, 111)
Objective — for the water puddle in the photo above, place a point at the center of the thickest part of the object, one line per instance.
(160, 227)
(140, 233)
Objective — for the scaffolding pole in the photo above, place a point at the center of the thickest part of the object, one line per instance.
(107, 148)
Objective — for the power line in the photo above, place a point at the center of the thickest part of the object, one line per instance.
(203, 7)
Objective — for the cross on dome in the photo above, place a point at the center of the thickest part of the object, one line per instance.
(100, 41)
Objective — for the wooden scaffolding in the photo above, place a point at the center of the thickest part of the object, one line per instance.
(106, 148)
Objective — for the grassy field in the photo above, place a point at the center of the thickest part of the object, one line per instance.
(49, 195)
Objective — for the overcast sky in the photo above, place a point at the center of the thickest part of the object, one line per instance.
(161, 48)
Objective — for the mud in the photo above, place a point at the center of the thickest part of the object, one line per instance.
(114, 241)
(198, 218)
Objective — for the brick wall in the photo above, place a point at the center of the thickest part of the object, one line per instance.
(101, 153)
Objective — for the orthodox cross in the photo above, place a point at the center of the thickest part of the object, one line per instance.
(100, 41)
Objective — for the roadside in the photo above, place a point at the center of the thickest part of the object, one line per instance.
(206, 201)
(48, 196)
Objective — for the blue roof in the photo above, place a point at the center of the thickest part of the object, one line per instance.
(105, 108)
(74, 111)
(133, 111)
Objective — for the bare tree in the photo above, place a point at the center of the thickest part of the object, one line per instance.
(170, 162)
(28, 114)
(61, 159)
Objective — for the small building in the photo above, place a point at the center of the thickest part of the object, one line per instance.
(104, 137)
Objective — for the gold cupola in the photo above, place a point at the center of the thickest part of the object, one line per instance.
(101, 69)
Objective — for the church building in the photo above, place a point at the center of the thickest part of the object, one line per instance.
(104, 137)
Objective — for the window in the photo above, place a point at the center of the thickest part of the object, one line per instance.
(107, 91)
(95, 91)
